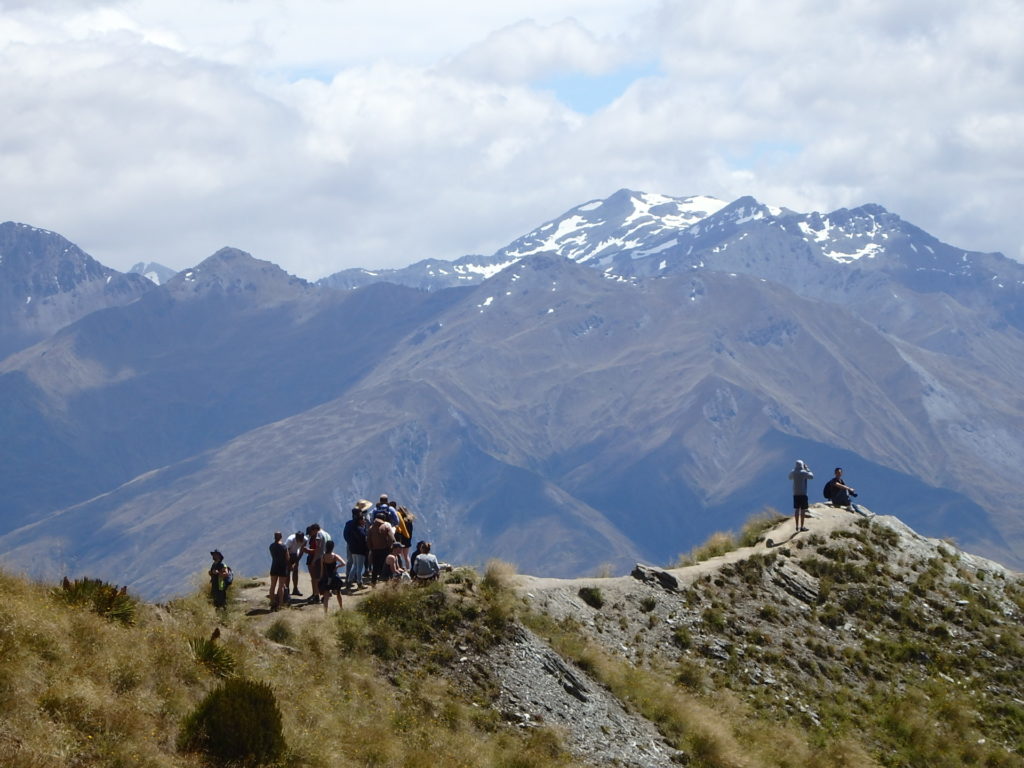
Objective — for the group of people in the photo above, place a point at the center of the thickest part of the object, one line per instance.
(836, 491)
(377, 539)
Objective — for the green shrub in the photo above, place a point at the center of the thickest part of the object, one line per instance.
(212, 655)
(238, 722)
(591, 596)
(280, 632)
(690, 674)
(714, 619)
(107, 600)
(648, 604)
(682, 638)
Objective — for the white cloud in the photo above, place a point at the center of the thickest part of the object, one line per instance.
(344, 134)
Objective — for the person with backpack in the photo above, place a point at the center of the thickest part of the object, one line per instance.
(385, 510)
(403, 534)
(380, 538)
(220, 579)
(800, 475)
(355, 538)
(839, 493)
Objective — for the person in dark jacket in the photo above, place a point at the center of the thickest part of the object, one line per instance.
(220, 577)
(800, 475)
(355, 538)
(840, 493)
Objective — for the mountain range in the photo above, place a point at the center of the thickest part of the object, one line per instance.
(611, 387)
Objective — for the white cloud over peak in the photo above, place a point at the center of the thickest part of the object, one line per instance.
(324, 135)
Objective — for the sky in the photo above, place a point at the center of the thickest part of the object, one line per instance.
(326, 134)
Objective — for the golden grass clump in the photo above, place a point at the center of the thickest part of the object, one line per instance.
(720, 542)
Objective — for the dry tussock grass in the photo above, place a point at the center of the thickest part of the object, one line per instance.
(79, 690)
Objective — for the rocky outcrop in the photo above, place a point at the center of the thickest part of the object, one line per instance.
(539, 688)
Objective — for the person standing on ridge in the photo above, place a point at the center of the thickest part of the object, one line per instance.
(355, 537)
(800, 475)
(380, 539)
(220, 580)
(278, 572)
(295, 544)
(385, 510)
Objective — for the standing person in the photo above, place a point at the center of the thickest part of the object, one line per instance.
(295, 545)
(385, 510)
(403, 534)
(330, 582)
(318, 539)
(800, 475)
(355, 538)
(380, 539)
(312, 563)
(220, 580)
(278, 572)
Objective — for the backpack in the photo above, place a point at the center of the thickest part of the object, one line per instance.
(228, 577)
(827, 490)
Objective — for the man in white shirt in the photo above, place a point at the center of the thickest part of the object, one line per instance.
(295, 543)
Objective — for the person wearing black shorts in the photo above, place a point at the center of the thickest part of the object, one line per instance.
(800, 475)
(278, 572)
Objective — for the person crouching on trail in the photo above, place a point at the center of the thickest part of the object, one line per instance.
(380, 539)
(800, 475)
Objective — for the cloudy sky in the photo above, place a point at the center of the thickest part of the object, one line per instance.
(322, 134)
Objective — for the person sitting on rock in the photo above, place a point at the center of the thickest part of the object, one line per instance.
(840, 493)
(425, 566)
(393, 564)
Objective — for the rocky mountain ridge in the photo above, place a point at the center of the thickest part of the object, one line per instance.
(546, 404)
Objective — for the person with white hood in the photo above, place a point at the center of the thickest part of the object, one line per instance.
(800, 475)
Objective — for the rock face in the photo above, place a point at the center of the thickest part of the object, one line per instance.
(834, 612)
(537, 687)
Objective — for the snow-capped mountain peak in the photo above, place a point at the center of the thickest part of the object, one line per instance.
(599, 230)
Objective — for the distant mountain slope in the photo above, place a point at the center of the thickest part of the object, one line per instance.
(561, 419)
(225, 347)
(47, 282)
(617, 384)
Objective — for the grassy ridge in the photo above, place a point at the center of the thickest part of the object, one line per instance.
(358, 689)
(895, 663)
